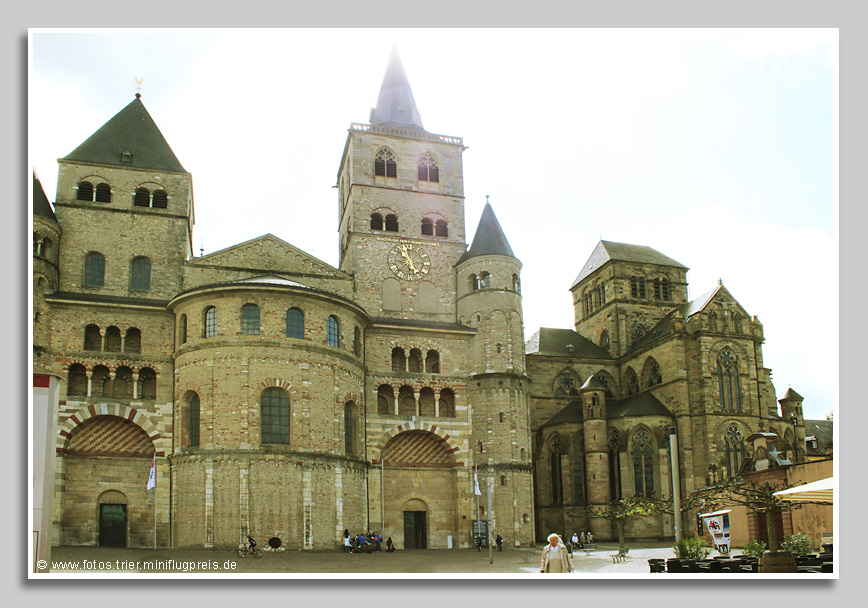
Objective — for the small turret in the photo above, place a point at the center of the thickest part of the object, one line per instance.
(791, 412)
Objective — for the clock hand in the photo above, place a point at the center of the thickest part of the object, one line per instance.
(408, 260)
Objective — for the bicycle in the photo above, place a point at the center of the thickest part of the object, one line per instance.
(244, 551)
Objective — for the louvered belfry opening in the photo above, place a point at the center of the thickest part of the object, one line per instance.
(427, 227)
(391, 223)
(385, 164)
(142, 198)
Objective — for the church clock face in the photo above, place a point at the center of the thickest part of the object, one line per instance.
(408, 261)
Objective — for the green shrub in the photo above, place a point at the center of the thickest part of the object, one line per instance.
(797, 544)
(691, 548)
(754, 548)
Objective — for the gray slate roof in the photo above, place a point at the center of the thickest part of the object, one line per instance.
(608, 250)
(396, 106)
(791, 394)
(643, 404)
(41, 206)
(822, 430)
(554, 342)
(130, 129)
(571, 414)
(489, 238)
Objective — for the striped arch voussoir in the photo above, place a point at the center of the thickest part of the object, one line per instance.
(109, 409)
(275, 383)
(412, 426)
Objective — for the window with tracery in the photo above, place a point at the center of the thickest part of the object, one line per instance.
(643, 467)
(428, 169)
(733, 450)
(637, 333)
(615, 465)
(555, 469)
(385, 164)
(728, 381)
(604, 339)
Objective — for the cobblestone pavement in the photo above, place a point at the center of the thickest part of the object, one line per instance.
(106, 560)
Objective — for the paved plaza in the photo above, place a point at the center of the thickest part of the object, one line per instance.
(99, 560)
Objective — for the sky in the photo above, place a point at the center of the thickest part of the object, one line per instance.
(715, 147)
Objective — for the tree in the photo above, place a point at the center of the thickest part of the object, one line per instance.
(619, 510)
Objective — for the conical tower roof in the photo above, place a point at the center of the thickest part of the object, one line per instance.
(41, 206)
(130, 130)
(489, 238)
(791, 394)
(396, 106)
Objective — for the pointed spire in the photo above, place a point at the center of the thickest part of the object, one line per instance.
(489, 238)
(396, 106)
(130, 138)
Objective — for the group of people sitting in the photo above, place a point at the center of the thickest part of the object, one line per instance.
(579, 541)
(366, 543)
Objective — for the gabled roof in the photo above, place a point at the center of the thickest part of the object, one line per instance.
(41, 206)
(606, 251)
(556, 342)
(643, 404)
(132, 129)
(396, 106)
(489, 238)
(571, 414)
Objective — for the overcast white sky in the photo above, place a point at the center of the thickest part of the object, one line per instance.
(715, 147)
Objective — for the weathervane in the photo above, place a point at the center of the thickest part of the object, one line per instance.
(139, 82)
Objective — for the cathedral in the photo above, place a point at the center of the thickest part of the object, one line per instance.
(278, 396)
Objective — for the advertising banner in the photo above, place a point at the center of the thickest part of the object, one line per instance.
(718, 527)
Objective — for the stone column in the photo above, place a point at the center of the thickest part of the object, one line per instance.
(89, 375)
(135, 385)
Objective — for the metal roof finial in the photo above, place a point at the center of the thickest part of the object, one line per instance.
(139, 82)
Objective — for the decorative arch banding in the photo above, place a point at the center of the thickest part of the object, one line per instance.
(450, 446)
(105, 409)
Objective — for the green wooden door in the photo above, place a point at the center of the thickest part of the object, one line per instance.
(113, 525)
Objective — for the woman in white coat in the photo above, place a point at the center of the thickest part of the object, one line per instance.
(555, 557)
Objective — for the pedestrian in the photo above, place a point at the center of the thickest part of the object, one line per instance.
(348, 547)
(499, 541)
(389, 547)
(575, 540)
(479, 543)
(555, 558)
(584, 539)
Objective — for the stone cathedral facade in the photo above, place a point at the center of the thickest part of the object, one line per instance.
(282, 397)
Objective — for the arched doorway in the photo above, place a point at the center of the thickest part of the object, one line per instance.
(415, 524)
(112, 519)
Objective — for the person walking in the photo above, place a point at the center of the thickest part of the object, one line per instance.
(555, 558)
(499, 541)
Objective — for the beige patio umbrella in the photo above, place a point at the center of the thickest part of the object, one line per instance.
(816, 491)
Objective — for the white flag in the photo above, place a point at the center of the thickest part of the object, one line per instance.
(476, 482)
(152, 478)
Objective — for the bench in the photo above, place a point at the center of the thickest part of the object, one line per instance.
(621, 555)
(588, 547)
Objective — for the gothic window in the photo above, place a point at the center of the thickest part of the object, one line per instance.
(484, 280)
(637, 287)
(392, 223)
(376, 221)
(428, 169)
(441, 228)
(76, 381)
(614, 466)
(651, 374)
(92, 338)
(414, 362)
(350, 428)
(182, 329)
(637, 333)
(84, 192)
(432, 362)
(603, 379)
(94, 270)
(209, 328)
(103, 193)
(385, 164)
(133, 340)
(733, 450)
(275, 415)
(113, 340)
(160, 200)
(148, 382)
(427, 227)
(604, 339)
(385, 399)
(295, 324)
(555, 470)
(632, 381)
(250, 320)
(193, 409)
(566, 382)
(399, 360)
(643, 467)
(406, 402)
(447, 403)
(140, 274)
(332, 332)
(142, 197)
(727, 380)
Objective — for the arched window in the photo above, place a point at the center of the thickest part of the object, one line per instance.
(474, 282)
(385, 164)
(615, 466)
(133, 340)
(123, 384)
(555, 470)
(194, 409)
(632, 381)
(414, 362)
(100, 382)
(140, 274)
(142, 197)
(516, 283)
(604, 339)
(391, 223)
(148, 380)
(733, 450)
(399, 360)
(92, 338)
(427, 227)
(94, 270)
(727, 380)
(357, 342)
(84, 192)
(275, 413)
(432, 362)
(484, 280)
(209, 329)
(441, 228)
(295, 324)
(112, 340)
(160, 200)
(376, 221)
(385, 400)
(406, 402)
(447, 403)
(643, 466)
(428, 169)
(76, 381)
(103, 193)
(250, 320)
(182, 329)
(333, 335)
(637, 287)
(426, 402)
(350, 428)
(503, 480)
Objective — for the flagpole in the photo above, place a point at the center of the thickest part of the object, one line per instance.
(488, 527)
